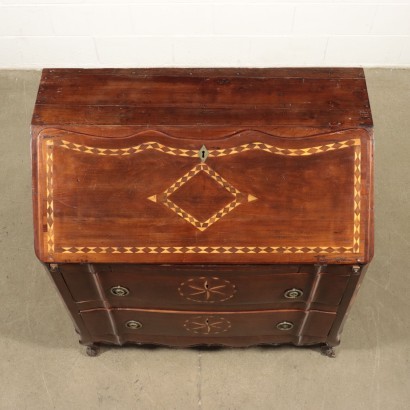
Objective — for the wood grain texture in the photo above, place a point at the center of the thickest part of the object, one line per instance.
(197, 324)
(211, 287)
(91, 182)
(205, 247)
(241, 97)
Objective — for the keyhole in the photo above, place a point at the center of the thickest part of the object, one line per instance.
(203, 153)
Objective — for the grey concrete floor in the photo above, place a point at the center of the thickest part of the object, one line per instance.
(43, 367)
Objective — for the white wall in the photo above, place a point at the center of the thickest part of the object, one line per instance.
(110, 33)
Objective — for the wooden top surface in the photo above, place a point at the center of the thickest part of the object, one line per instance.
(305, 97)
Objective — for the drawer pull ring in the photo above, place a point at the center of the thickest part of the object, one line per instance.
(284, 326)
(293, 293)
(119, 291)
(133, 324)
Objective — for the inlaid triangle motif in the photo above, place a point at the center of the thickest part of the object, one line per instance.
(202, 197)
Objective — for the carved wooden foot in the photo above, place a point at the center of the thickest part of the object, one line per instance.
(92, 350)
(328, 351)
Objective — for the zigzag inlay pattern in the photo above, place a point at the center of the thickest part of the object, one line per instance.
(261, 146)
(357, 196)
(49, 196)
(204, 249)
(50, 144)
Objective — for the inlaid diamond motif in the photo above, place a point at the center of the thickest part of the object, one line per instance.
(201, 196)
(224, 201)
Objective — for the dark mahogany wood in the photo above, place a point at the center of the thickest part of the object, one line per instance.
(197, 325)
(207, 195)
(206, 288)
(245, 97)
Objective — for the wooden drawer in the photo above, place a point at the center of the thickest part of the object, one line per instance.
(206, 288)
(137, 324)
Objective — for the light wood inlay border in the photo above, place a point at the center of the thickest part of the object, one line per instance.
(49, 196)
(261, 146)
(204, 249)
(357, 199)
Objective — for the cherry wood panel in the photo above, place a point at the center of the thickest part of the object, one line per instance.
(196, 92)
(279, 202)
(336, 97)
(243, 116)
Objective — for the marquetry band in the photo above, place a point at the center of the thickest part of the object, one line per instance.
(49, 196)
(356, 201)
(238, 197)
(203, 249)
(193, 153)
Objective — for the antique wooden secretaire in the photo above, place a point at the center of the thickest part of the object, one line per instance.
(204, 206)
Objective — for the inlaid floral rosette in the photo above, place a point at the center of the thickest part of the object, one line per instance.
(207, 325)
(207, 289)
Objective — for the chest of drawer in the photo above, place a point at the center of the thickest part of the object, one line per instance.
(207, 287)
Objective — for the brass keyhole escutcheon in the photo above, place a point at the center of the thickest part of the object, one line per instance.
(203, 153)
(133, 324)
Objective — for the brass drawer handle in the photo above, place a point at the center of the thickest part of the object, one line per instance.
(293, 293)
(119, 291)
(284, 325)
(133, 324)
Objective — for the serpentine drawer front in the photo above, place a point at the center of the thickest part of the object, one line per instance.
(129, 324)
(243, 196)
(190, 287)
